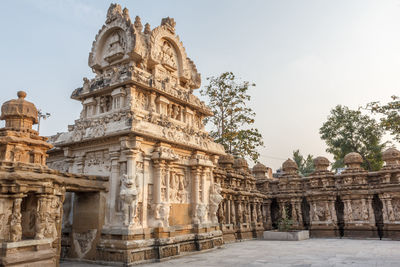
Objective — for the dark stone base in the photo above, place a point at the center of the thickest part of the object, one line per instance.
(365, 231)
(391, 231)
(324, 233)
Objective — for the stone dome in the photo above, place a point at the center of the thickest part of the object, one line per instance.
(391, 156)
(321, 163)
(353, 160)
(226, 159)
(289, 166)
(259, 167)
(19, 113)
(240, 163)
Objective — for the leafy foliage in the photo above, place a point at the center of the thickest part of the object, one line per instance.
(285, 223)
(390, 120)
(306, 165)
(348, 131)
(228, 101)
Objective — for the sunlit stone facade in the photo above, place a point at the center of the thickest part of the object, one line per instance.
(142, 127)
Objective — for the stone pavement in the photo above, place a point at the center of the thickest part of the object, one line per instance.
(312, 252)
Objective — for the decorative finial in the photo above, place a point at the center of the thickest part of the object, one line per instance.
(21, 94)
(170, 23)
(147, 29)
(138, 24)
(114, 11)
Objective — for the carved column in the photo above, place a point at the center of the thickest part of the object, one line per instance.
(158, 166)
(228, 211)
(131, 162)
(370, 210)
(42, 214)
(114, 186)
(233, 212)
(196, 171)
(146, 178)
(390, 210)
(299, 213)
(294, 212)
(15, 222)
(80, 162)
(348, 212)
(333, 211)
(203, 185)
(167, 178)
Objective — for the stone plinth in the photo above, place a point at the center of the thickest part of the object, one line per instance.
(34, 253)
(286, 236)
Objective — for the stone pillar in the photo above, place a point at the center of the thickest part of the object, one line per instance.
(228, 211)
(203, 185)
(299, 213)
(80, 162)
(42, 212)
(158, 166)
(370, 210)
(146, 178)
(333, 211)
(390, 210)
(131, 162)
(114, 186)
(196, 172)
(15, 222)
(348, 212)
(233, 212)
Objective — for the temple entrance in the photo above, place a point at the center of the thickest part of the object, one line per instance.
(274, 213)
(305, 210)
(377, 207)
(339, 206)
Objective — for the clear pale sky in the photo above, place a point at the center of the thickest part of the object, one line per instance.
(305, 56)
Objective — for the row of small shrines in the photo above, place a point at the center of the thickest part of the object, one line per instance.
(354, 203)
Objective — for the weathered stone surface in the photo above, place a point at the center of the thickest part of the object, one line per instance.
(286, 236)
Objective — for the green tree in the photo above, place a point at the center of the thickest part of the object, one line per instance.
(390, 115)
(232, 117)
(348, 131)
(306, 165)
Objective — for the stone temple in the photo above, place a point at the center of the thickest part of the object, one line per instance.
(138, 179)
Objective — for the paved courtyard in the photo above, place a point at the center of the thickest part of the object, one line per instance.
(313, 252)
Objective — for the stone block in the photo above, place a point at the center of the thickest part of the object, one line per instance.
(286, 236)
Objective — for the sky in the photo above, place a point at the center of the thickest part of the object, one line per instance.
(304, 56)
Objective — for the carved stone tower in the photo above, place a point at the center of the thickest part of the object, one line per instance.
(142, 126)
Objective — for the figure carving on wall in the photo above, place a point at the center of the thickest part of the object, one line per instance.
(215, 199)
(161, 214)
(114, 47)
(200, 214)
(83, 242)
(167, 55)
(128, 196)
(15, 222)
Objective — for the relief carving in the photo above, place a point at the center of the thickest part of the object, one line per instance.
(215, 200)
(83, 242)
(128, 196)
(15, 222)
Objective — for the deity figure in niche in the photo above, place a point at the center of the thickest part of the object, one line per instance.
(114, 47)
(167, 54)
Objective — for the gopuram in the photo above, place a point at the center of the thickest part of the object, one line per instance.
(138, 179)
(142, 127)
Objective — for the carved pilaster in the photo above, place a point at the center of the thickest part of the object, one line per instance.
(15, 222)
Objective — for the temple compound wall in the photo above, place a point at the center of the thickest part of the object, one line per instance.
(353, 204)
(142, 127)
